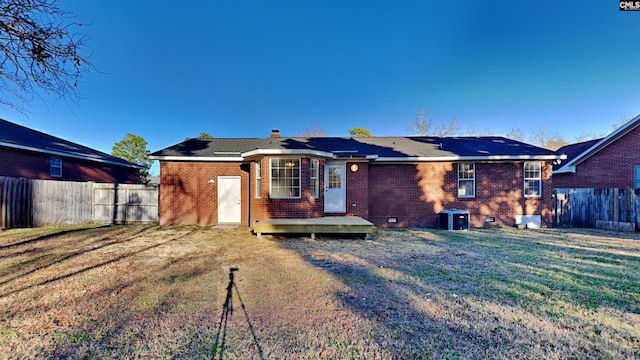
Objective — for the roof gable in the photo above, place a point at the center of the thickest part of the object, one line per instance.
(23, 138)
(582, 151)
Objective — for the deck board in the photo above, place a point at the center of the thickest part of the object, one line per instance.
(324, 225)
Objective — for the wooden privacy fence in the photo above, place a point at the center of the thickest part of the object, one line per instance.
(29, 202)
(586, 207)
(125, 203)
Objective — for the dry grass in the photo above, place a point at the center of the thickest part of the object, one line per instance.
(163, 292)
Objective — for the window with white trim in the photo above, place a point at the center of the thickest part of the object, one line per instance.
(532, 179)
(466, 180)
(285, 178)
(636, 177)
(258, 180)
(55, 167)
(314, 181)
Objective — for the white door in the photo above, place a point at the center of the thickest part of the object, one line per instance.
(334, 188)
(229, 207)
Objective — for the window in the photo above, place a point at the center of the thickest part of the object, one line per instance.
(258, 180)
(285, 178)
(532, 179)
(636, 177)
(466, 180)
(315, 184)
(55, 169)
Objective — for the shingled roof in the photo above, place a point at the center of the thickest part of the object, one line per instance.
(19, 137)
(574, 150)
(577, 153)
(373, 148)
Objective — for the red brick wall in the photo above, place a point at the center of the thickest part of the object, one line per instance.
(187, 197)
(32, 165)
(306, 206)
(358, 190)
(611, 167)
(415, 194)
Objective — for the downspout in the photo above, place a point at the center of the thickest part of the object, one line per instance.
(249, 195)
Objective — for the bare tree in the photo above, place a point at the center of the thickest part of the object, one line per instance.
(314, 130)
(474, 130)
(420, 126)
(449, 129)
(39, 50)
(555, 144)
(543, 137)
(424, 127)
(586, 136)
(620, 122)
(515, 134)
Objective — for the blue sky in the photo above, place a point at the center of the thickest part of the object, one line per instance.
(170, 70)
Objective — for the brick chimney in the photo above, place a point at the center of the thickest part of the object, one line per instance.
(275, 133)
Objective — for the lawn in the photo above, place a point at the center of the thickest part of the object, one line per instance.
(125, 292)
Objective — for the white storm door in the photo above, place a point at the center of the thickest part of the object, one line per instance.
(229, 207)
(334, 188)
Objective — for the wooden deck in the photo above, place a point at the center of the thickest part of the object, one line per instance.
(313, 226)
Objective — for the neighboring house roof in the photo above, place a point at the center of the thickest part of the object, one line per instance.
(574, 150)
(583, 151)
(379, 149)
(15, 136)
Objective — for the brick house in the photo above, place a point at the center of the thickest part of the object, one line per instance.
(27, 153)
(610, 162)
(389, 181)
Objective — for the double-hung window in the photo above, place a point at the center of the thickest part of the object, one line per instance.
(314, 179)
(285, 178)
(466, 180)
(55, 167)
(532, 179)
(258, 180)
(636, 177)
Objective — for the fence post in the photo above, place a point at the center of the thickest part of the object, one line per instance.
(616, 205)
(581, 207)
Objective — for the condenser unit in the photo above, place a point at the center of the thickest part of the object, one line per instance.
(454, 219)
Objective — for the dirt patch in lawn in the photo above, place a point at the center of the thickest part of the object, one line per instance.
(169, 292)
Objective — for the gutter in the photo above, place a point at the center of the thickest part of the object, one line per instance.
(471, 158)
(195, 158)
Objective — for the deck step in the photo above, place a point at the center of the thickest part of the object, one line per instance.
(313, 226)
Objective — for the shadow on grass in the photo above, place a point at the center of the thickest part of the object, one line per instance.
(51, 261)
(55, 234)
(136, 318)
(227, 310)
(141, 300)
(486, 294)
(135, 301)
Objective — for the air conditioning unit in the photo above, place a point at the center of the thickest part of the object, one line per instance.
(454, 219)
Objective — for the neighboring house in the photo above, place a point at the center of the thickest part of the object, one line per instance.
(610, 162)
(390, 181)
(28, 153)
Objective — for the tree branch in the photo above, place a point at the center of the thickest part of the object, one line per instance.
(38, 51)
